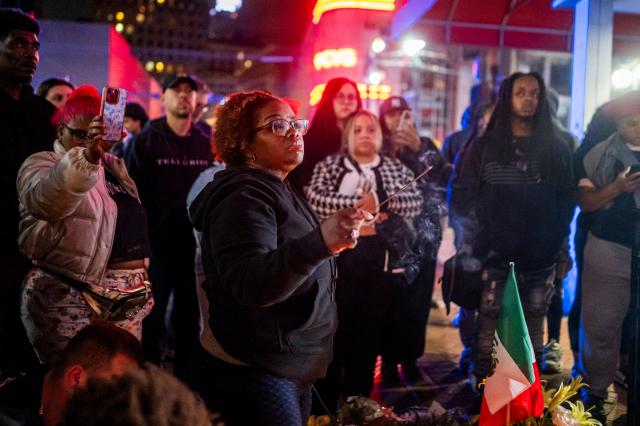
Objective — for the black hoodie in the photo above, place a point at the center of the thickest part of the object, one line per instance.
(164, 166)
(269, 275)
(521, 216)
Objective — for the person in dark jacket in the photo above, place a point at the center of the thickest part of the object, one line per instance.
(608, 188)
(602, 125)
(339, 100)
(26, 129)
(404, 330)
(515, 189)
(269, 266)
(164, 160)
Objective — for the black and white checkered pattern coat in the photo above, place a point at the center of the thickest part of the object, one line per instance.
(324, 196)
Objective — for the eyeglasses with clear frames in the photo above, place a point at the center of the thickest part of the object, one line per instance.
(342, 98)
(280, 126)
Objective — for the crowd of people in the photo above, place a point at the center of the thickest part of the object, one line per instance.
(267, 254)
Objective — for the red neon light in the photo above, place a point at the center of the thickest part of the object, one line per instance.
(332, 58)
(367, 91)
(323, 6)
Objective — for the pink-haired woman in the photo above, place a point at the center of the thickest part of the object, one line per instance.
(84, 229)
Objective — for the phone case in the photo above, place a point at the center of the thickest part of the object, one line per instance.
(112, 111)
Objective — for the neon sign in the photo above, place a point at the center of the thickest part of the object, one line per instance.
(323, 6)
(367, 91)
(332, 58)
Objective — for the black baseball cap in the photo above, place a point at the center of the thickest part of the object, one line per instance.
(393, 103)
(15, 19)
(172, 80)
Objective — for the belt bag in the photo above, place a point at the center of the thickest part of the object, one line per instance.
(112, 305)
(115, 305)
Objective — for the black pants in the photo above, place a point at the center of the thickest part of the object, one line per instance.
(174, 274)
(251, 396)
(16, 354)
(405, 329)
(554, 312)
(364, 294)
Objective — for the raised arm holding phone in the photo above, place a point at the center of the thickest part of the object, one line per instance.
(84, 229)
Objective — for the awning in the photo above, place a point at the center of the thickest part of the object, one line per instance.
(524, 24)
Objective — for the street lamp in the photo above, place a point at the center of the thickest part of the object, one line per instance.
(412, 46)
(622, 78)
(375, 77)
(378, 45)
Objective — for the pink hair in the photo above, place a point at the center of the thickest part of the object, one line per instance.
(82, 102)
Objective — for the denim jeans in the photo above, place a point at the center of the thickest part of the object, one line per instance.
(536, 289)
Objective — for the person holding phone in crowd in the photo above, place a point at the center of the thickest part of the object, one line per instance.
(82, 226)
(269, 265)
(370, 276)
(609, 188)
(412, 303)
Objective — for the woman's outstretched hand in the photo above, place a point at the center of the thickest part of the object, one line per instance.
(341, 231)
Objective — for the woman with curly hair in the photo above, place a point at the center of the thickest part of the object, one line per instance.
(339, 100)
(269, 265)
(370, 275)
(84, 229)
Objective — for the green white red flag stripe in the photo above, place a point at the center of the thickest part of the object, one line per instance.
(513, 392)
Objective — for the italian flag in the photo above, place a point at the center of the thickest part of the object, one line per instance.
(513, 392)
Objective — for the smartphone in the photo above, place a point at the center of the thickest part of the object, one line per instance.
(634, 169)
(406, 120)
(112, 108)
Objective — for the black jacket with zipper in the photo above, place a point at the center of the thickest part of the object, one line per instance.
(269, 275)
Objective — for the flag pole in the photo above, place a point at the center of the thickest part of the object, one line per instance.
(508, 414)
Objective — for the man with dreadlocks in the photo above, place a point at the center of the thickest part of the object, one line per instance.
(514, 193)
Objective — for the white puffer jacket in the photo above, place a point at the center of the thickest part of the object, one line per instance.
(68, 219)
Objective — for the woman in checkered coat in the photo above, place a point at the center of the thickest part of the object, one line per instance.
(369, 275)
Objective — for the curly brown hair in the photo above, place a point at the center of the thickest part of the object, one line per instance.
(235, 122)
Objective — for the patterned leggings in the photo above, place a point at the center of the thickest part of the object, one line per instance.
(250, 396)
(53, 312)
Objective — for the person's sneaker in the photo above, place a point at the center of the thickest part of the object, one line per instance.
(552, 357)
